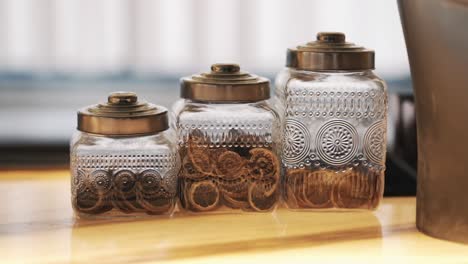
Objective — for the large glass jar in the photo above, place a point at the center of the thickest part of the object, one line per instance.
(334, 114)
(227, 134)
(124, 159)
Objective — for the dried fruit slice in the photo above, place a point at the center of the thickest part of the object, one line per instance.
(263, 163)
(149, 182)
(235, 203)
(379, 188)
(216, 152)
(293, 188)
(151, 194)
(270, 185)
(353, 189)
(237, 188)
(290, 198)
(124, 191)
(189, 171)
(93, 195)
(88, 202)
(156, 204)
(202, 161)
(317, 188)
(203, 196)
(229, 163)
(295, 180)
(258, 199)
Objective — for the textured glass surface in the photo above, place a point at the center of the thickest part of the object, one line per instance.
(229, 156)
(334, 138)
(114, 176)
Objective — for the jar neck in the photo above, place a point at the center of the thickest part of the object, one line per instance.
(224, 102)
(121, 136)
(336, 72)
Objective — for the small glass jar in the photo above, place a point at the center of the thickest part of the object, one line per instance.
(334, 111)
(124, 159)
(227, 134)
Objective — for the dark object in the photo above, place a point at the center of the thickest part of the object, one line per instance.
(437, 48)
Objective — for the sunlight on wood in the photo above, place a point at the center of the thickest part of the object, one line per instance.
(37, 226)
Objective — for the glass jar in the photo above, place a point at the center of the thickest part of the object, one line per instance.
(227, 134)
(334, 111)
(124, 159)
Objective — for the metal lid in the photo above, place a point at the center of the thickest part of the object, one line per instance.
(330, 52)
(123, 115)
(225, 83)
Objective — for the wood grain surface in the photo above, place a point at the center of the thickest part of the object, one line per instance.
(37, 226)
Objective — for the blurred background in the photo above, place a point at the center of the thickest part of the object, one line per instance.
(59, 55)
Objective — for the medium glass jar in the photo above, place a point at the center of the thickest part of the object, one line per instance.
(334, 111)
(124, 159)
(227, 134)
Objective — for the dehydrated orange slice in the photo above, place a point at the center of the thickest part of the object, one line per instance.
(317, 188)
(236, 188)
(258, 199)
(290, 197)
(354, 189)
(203, 196)
(379, 188)
(263, 163)
(124, 191)
(151, 194)
(93, 197)
(229, 163)
(156, 204)
(293, 188)
(201, 160)
(235, 203)
(189, 171)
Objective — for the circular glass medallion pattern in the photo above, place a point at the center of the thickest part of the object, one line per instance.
(374, 142)
(337, 142)
(296, 142)
(102, 180)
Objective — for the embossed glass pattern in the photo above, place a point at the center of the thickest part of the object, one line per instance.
(334, 138)
(128, 165)
(229, 156)
(124, 175)
(227, 134)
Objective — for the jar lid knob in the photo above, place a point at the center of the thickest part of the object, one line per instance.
(225, 68)
(122, 98)
(330, 52)
(123, 115)
(331, 37)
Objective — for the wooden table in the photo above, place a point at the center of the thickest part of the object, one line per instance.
(37, 226)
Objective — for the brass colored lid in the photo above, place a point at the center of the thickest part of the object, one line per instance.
(330, 52)
(123, 115)
(225, 83)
